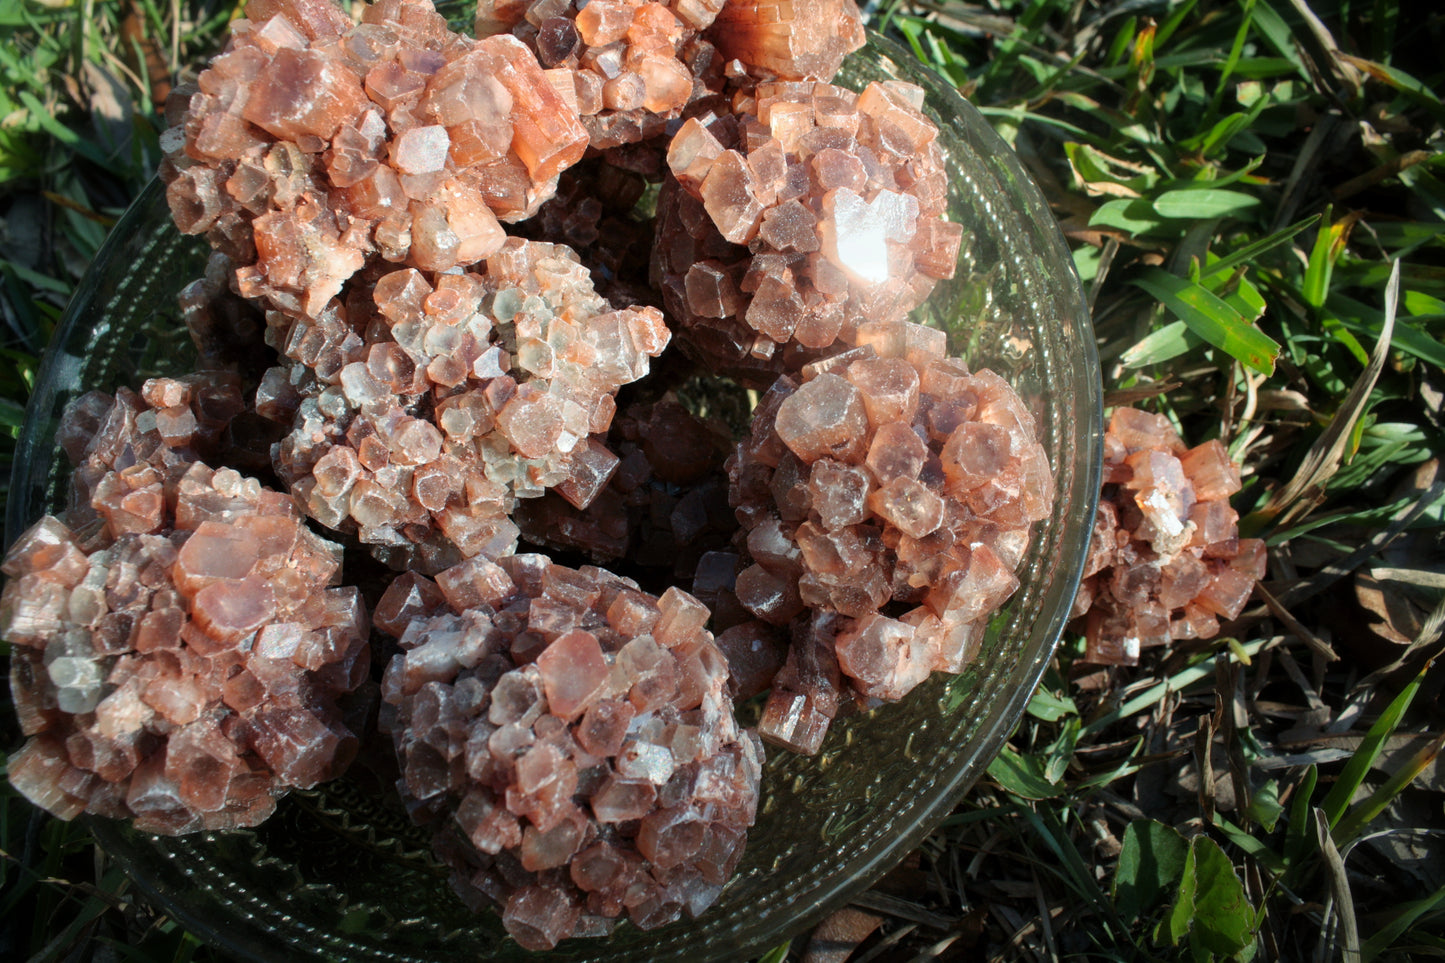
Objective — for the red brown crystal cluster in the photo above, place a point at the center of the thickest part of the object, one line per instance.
(176, 653)
(788, 39)
(892, 478)
(573, 739)
(421, 413)
(444, 386)
(1166, 561)
(314, 143)
(789, 222)
(662, 509)
(633, 64)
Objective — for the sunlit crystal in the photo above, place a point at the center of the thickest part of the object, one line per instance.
(135, 661)
(605, 752)
(1165, 560)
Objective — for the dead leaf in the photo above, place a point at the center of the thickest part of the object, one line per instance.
(1395, 620)
(111, 108)
(835, 939)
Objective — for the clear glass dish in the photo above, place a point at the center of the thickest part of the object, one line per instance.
(339, 874)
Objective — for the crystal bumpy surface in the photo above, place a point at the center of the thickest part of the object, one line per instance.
(1166, 561)
(627, 67)
(177, 656)
(423, 405)
(313, 144)
(886, 496)
(441, 381)
(572, 741)
(794, 215)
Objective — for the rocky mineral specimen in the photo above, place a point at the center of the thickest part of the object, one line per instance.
(176, 653)
(1166, 560)
(313, 144)
(173, 423)
(226, 329)
(891, 478)
(572, 740)
(809, 212)
(633, 64)
(594, 212)
(422, 408)
(662, 509)
(788, 39)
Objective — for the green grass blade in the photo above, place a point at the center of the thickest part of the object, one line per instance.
(1251, 252)
(1203, 202)
(1022, 775)
(777, 954)
(1212, 319)
(1328, 245)
(1360, 816)
(1417, 91)
(1359, 765)
(1325, 456)
(1396, 928)
(1168, 342)
(1178, 682)
(1267, 857)
(1075, 873)
(1235, 50)
(1172, 22)
(1297, 837)
(1363, 319)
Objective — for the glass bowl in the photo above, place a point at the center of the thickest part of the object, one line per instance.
(339, 874)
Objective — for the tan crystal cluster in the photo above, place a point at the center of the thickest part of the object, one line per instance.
(594, 212)
(664, 506)
(573, 741)
(887, 477)
(1165, 561)
(788, 39)
(443, 385)
(313, 143)
(633, 64)
(806, 211)
(172, 423)
(420, 414)
(176, 655)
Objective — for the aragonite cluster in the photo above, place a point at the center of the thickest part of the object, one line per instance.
(178, 646)
(633, 64)
(787, 40)
(313, 144)
(1166, 561)
(803, 212)
(424, 405)
(572, 740)
(664, 507)
(444, 267)
(886, 495)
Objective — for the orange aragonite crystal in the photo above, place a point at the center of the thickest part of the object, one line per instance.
(179, 660)
(572, 739)
(305, 151)
(1165, 561)
(863, 487)
(787, 225)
